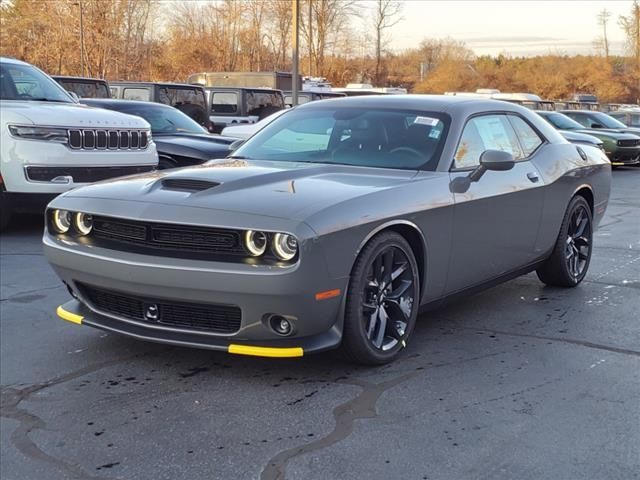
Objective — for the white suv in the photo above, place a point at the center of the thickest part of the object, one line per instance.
(49, 143)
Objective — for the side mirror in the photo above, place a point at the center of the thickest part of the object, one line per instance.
(596, 125)
(495, 160)
(74, 95)
(235, 145)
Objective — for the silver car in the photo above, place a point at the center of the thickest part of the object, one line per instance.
(331, 227)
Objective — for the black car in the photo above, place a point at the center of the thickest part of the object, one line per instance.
(180, 141)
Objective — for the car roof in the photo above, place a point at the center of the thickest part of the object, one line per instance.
(159, 84)
(442, 103)
(13, 61)
(114, 102)
(78, 79)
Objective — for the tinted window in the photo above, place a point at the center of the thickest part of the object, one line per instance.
(488, 132)
(162, 119)
(181, 96)
(529, 139)
(142, 94)
(561, 121)
(24, 82)
(352, 136)
(606, 121)
(86, 89)
(224, 102)
(256, 101)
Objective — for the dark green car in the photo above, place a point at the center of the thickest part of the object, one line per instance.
(599, 120)
(621, 148)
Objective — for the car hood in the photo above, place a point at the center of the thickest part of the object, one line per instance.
(70, 115)
(277, 189)
(203, 142)
(574, 136)
(606, 132)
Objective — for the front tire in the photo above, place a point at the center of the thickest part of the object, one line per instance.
(569, 261)
(382, 301)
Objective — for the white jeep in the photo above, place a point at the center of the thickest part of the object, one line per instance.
(49, 143)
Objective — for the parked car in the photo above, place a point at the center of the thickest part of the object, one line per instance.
(50, 144)
(245, 130)
(233, 105)
(84, 87)
(582, 139)
(599, 120)
(627, 117)
(180, 141)
(621, 148)
(332, 226)
(308, 96)
(189, 99)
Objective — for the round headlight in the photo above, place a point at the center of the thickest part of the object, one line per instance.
(61, 220)
(285, 246)
(83, 223)
(256, 242)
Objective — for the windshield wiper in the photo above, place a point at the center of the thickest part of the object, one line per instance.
(43, 99)
(239, 157)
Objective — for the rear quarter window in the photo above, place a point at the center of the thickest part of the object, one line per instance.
(136, 93)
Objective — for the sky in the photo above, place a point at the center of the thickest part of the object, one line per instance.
(514, 27)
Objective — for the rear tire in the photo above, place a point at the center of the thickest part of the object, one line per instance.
(382, 301)
(568, 264)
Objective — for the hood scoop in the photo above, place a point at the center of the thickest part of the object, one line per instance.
(187, 184)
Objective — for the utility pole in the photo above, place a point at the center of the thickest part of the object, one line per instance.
(295, 4)
(310, 41)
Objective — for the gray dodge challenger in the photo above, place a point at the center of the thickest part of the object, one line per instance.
(331, 227)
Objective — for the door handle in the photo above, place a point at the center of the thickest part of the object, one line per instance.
(533, 176)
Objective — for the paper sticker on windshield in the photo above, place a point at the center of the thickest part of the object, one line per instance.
(434, 133)
(432, 122)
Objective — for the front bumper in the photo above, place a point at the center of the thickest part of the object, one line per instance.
(625, 156)
(257, 291)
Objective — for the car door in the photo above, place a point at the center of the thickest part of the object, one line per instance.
(496, 220)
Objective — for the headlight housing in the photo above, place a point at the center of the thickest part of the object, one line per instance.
(61, 220)
(83, 223)
(256, 242)
(285, 246)
(51, 134)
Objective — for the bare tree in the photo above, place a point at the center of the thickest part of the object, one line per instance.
(631, 26)
(387, 15)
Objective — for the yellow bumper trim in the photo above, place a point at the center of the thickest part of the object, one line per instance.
(265, 351)
(68, 316)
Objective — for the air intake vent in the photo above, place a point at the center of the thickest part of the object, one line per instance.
(187, 184)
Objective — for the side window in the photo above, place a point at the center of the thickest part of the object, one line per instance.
(224, 102)
(529, 139)
(136, 94)
(488, 132)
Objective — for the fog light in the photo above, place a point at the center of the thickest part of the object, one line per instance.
(61, 221)
(280, 325)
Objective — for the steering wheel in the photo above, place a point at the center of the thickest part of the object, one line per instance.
(409, 150)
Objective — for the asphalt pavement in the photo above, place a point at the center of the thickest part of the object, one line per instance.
(521, 382)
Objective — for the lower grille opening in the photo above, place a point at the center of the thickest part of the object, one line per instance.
(83, 174)
(203, 317)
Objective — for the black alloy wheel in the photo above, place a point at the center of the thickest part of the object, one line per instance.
(569, 261)
(382, 303)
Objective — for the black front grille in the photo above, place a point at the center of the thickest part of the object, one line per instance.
(112, 139)
(82, 174)
(172, 240)
(628, 143)
(202, 317)
(188, 184)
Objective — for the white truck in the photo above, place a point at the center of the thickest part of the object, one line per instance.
(49, 143)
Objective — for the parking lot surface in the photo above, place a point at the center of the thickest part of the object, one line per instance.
(521, 381)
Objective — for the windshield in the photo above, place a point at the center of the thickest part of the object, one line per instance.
(608, 121)
(24, 82)
(561, 121)
(163, 120)
(352, 136)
